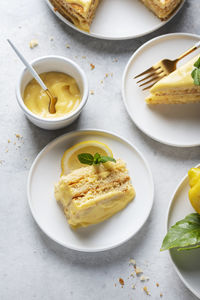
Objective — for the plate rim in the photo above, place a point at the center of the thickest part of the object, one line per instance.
(180, 183)
(121, 38)
(115, 135)
(168, 35)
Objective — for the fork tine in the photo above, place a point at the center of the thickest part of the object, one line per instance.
(149, 76)
(147, 71)
(149, 86)
(152, 79)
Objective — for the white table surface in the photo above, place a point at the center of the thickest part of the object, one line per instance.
(31, 265)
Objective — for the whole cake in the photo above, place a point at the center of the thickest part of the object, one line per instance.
(81, 12)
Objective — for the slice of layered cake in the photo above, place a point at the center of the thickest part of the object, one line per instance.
(92, 194)
(162, 8)
(79, 12)
(177, 87)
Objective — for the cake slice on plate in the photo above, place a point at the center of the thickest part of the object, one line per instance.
(162, 8)
(92, 194)
(79, 12)
(177, 87)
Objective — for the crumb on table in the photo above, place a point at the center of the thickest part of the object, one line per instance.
(18, 136)
(33, 44)
(92, 66)
(145, 289)
(138, 271)
(121, 281)
(133, 286)
(144, 278)
(132, 262)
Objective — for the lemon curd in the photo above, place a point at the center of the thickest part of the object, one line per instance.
(61, 85)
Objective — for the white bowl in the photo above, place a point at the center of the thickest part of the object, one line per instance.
(56, 64)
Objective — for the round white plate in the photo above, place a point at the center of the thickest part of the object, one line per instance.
(174, 124)
(186, 263)
(119, 20)
(45, 172)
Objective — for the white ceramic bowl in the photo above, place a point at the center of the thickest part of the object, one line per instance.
(57, 64)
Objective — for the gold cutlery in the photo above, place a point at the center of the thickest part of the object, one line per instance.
(161, 69)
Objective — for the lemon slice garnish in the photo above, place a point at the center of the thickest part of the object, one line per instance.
(70, 161)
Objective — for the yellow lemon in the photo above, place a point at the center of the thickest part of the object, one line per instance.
(194, 192)
(70, 161)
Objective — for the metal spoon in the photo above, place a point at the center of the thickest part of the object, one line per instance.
(53, 99)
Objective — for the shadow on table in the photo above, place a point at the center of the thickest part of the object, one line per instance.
(41, 137)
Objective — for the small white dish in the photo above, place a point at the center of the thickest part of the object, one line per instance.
(186, 263)
(56, 64)
(120, 20)
(45, 172)
(174, 124)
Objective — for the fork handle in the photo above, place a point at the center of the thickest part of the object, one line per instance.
(195, 47)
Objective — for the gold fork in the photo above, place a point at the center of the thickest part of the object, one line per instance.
(162, 69)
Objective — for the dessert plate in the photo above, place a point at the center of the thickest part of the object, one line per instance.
(45, 172)
(174, 124)
(186, 263)
(119, 20)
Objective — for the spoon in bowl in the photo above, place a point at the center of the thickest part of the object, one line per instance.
(53, 99)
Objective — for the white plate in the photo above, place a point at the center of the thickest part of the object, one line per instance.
(45, 173)
(186, 263)
(174, 124)
(119, 20)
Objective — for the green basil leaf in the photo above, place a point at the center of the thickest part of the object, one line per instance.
(196, 77)
(86, 158)
(105, 159)
(189, 248)
(184, 235)
(193, 73)
(196, 72)
(197, 63)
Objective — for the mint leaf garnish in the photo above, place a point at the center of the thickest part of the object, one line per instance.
(104, 159)
(89, 159)
(86, 158)
(96, 158)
